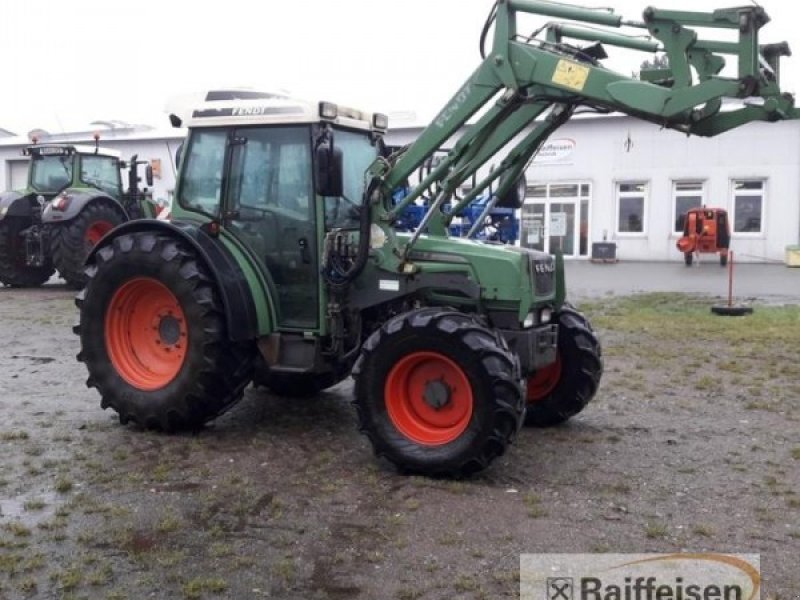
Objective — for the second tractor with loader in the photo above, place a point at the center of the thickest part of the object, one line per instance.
(281, 264)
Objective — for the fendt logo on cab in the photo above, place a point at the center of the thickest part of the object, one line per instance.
(248, 111)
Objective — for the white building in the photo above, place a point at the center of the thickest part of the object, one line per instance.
(610, 178)
(622, 180)
(157, 146)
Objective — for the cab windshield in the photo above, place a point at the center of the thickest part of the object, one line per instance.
(270, 168)
(102, 172)
(358, 154)
(51, 174)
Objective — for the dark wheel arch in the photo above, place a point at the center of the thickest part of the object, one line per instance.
(237, 300)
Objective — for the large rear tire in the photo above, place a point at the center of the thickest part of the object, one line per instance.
(562, 390)
(14, 271)
(153, 335)
(71, 241)
(437, 393)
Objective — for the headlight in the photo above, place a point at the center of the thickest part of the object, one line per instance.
(3, 211)
(546, 316)
(529, 321)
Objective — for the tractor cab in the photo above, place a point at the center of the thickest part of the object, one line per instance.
(57, 167)
(256, 165)
(705, 231)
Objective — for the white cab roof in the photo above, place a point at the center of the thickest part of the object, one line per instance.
(220, 108)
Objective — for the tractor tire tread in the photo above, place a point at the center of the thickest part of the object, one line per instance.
(225, 369)
(499, 367)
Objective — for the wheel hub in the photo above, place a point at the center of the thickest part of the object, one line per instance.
(437, 394)
(169, 330)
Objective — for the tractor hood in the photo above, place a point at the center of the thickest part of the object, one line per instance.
(506, 274)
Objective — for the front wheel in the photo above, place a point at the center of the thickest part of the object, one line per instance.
(438, 393)
(563, 389)
(71, 241)
(153, 335)
(688, 258)
(14, 269)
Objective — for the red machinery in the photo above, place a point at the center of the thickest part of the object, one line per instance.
(705, 230)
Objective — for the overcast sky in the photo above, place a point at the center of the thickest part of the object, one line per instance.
(69, 62)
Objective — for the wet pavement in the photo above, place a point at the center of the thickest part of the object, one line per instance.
(762, 283)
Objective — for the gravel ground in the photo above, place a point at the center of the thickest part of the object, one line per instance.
(691, 444)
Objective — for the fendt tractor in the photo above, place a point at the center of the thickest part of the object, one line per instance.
(281, 264)
(73, 198)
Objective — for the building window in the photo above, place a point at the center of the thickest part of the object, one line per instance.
(748, 206)
(631, 207)
(686, 196)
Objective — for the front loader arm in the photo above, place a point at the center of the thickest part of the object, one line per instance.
(543, 80)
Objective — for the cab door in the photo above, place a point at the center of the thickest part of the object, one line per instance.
(270, 206)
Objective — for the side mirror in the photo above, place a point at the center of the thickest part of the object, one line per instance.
(329, 171)
(515, 197)
(148, 175)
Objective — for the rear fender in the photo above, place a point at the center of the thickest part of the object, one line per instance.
(78, 199)
(14, 204)
(237, 299)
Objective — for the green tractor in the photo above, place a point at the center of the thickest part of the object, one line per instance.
(73, 198)
(282, 265)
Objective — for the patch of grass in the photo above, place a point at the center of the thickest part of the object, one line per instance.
(100, 576)
(796, 453)
(533, 504)
(465, 583)
(17, 529)
(63, 484)
(284, 569)
(14, 436)
(68, 579)
(34, 504)
(408, 594)
(703, 530)
(655, 530)
(27, 585)
(168, 524)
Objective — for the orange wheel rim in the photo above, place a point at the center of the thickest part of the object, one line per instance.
(429, 398)
(146, 334)
(544, 381)
(97, 230)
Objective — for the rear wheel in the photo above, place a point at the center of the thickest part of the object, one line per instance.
(14, 271)
(723, 260)
(563, 389)
(71, 241)
(438, 393)
(153, 335)
(687, 258)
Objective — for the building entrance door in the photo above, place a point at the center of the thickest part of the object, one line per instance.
(553, 221)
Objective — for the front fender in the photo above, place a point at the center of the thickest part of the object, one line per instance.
(237, 299)
(78, 199)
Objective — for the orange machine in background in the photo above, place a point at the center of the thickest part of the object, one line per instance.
(705, 230)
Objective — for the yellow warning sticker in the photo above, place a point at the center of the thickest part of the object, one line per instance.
(571, 75)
